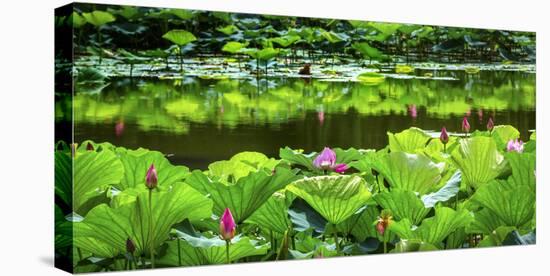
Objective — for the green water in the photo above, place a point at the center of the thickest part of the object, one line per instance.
(200, 121)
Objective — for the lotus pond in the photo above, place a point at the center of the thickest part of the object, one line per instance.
(202, 138)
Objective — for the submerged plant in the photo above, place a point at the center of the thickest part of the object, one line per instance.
(326, 160)
(227, 230)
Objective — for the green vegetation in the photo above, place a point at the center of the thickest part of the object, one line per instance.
(408, 196)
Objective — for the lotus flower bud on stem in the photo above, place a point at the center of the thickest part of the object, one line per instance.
(227, 231)
(444, 138)
(227, 225)
(151, 179)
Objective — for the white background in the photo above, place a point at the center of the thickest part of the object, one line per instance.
(27, 123)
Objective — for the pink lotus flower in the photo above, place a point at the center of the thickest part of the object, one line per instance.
(444, 137)
(227, 225)
(515, 145)
(490, 124)
(151, 179)
(326, 160)
(465, 125)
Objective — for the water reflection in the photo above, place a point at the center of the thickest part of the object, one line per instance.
(200, 121)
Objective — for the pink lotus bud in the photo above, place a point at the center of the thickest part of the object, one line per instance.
(465, 125)
(383, 221)
(490, 124)
(515, 145)
(130, 246)
(325, 160)
(227, 225)
(151, 179)
(340, 168)
(444, 137)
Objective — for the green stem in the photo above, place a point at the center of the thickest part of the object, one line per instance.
(336, 241)
(179, 252)
(227, 243)
(151, 251)
(385, 242)
(444, 148)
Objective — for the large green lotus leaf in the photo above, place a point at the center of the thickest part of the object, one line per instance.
(286, 40)
(361, 224)
(523, 168)
(96, 247)
(479, 160)
(233, 47)
(413, 245)
(228, 30)
(504, 133)
(63, 177)
(367, 51)
(273, 215)
(347, 156)
(411, 172)
(485, 221)
(514, 205)
(332, 37)
(304, 217)
(336, 198)
(297, 158)
(403, 205)
(408, 140)
(448, 191)
(137, 162)
(267, 53)
(496, 237)
(240, 165)
(247, 195)
(306, 246)
(435, 229)
(98, 18)
(179, 37)
(446, 220)
(132, 218)
(93, 173)
(203, 251)
(77, 20)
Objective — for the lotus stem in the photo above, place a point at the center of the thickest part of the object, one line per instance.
(179, 252)
(385, 242)
(151, 251)
(444, 148)
(227, 243)
(336, 240)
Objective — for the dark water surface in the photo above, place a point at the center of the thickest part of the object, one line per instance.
(200, 121)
